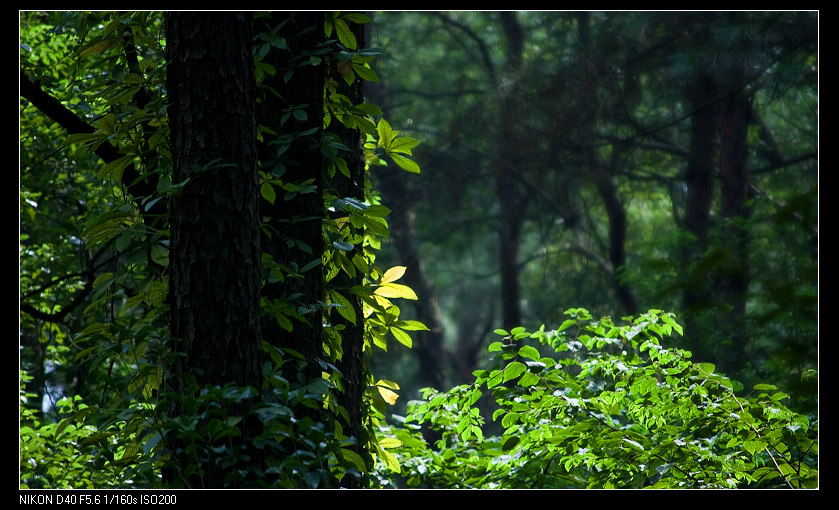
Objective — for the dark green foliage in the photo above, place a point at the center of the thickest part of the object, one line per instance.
(122, 421)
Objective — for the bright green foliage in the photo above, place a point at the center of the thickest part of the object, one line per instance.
(67, 454)
(594, 404)
(398, 148)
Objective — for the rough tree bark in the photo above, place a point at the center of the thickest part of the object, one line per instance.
(215, 249)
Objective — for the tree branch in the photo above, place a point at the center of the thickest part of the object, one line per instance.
(137, 185)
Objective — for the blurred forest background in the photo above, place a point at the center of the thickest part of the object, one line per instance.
(615, 161)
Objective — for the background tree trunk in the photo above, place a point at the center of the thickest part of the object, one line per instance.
(716, 259)
(699, 181)
(505, 169)
(734, 172)
(599, 172)
(430, 347)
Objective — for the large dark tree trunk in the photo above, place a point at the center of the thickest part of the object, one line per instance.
(295, 237)
(215, 248)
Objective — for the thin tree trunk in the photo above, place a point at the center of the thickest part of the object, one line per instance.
(430, 347)
(506, 182)
(617, 233)
(735, 193)
(599, 172)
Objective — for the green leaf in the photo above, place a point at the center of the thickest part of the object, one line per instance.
(403, 337)
(85, 138)
(531, 352)
(343, 306)
(513, 370)
(378, 211)
(345, 35)
(634, 443)
(268, 192)
(393, 274)
(402, 145)
(365, 73)
(284, 322)
(356, 17)
(707, 368)
(114, 169)
(389, 460)
(390, 442)
(377, 227)
(510, 443)
(354, 458)
(669, 320)
(386, 134)
(342, 245)
(754, 446)
(395, 290)
(528, 379)
(496, 377)
(349, 201)
(160, 254)
(412, 325)
(99, 47)
(405, 163)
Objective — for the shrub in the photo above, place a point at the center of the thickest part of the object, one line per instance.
(607, 406)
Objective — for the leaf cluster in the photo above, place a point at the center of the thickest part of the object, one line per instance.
(594, 404)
